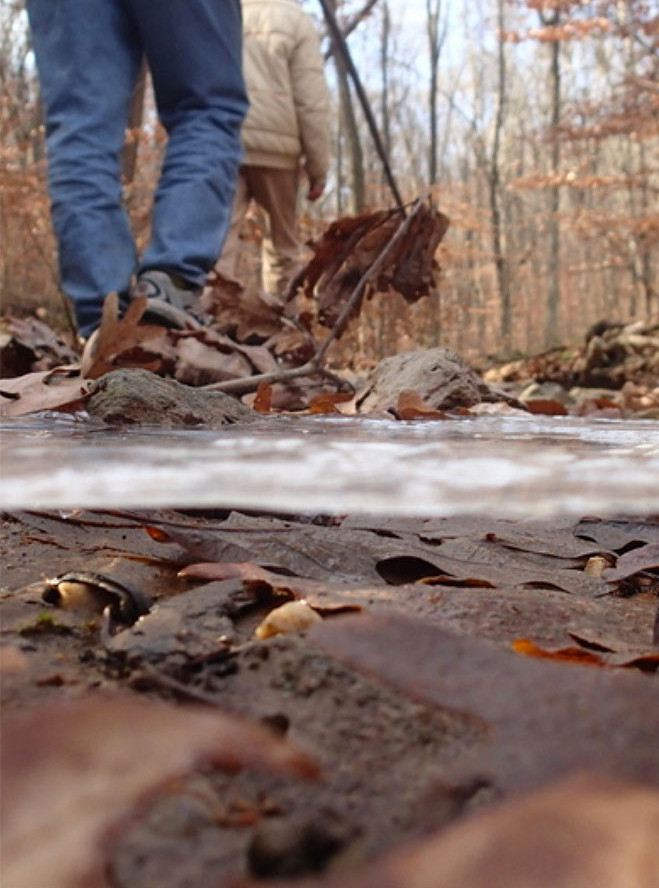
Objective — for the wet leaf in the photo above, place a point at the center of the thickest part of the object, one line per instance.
(615, 534)
(640, 559)
(73, 772)
(200, 363)
(545, 719)
(585, 832)
(322, 552)
(266, 584)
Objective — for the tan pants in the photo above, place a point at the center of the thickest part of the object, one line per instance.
(275, 191)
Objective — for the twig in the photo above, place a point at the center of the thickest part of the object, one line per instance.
(340, 43)
(251, 383)
(162, 680)
(350, 26)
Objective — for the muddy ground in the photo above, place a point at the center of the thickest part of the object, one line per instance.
(414, 692)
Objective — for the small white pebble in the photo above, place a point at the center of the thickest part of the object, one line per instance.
(595, 566)
(294, 616)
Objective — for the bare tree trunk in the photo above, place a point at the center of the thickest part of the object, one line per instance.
(554, 270)
(385, 36)
(352, 145)
(436, 39)
(498, 249)
(351, 140)
(339, 170)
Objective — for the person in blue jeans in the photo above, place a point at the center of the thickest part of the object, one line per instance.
(88, 55)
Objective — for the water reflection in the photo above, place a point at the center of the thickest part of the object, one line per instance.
(513, 466)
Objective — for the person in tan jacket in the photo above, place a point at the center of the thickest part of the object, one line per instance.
(285, 133)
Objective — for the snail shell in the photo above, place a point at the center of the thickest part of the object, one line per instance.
(93, 592)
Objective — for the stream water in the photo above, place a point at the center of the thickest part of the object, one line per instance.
(509, 466)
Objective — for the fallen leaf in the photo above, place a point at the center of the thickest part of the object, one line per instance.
(241, 311)
(565, 654)
(636, 560)
(266, 584)
(327, 401)
(542, 720)
(72, 772)
(546, 407)
(28, 345)
(45, 390)
(116, 337)
(412, 406)
(584, 832)
(616, 534)
(263, 399)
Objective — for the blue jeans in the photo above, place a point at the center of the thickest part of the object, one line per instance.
(88, 55)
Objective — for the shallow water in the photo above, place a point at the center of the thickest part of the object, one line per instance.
(511, 466)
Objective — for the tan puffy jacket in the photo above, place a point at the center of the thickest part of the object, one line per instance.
(288, 120)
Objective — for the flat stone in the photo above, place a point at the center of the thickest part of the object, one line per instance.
(438, 375)
(138, 397)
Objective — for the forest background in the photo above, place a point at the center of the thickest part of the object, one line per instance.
(534, 125)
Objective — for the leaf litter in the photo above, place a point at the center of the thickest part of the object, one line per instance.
(419, 708)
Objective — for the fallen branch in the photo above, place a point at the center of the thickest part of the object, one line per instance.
(251, 383)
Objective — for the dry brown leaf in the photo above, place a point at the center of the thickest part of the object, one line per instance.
(266, 584)
(72, 772)
(242, 311)
(28, 345)
(589, 655)
(46, 390)
(411, 405)
(116, 337)
(566, 654)
(327, 401)
(202, 363)
(350, 246)
(263, 399)
(546, 407)
(228, 570)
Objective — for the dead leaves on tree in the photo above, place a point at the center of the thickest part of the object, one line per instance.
(349, 248)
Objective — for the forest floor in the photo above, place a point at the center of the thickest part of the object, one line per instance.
(208, 698)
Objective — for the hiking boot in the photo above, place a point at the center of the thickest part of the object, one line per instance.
(172, 302)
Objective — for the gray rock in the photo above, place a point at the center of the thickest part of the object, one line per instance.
(547, 391)
(138, 397)
(190, 625)
(438, 375)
